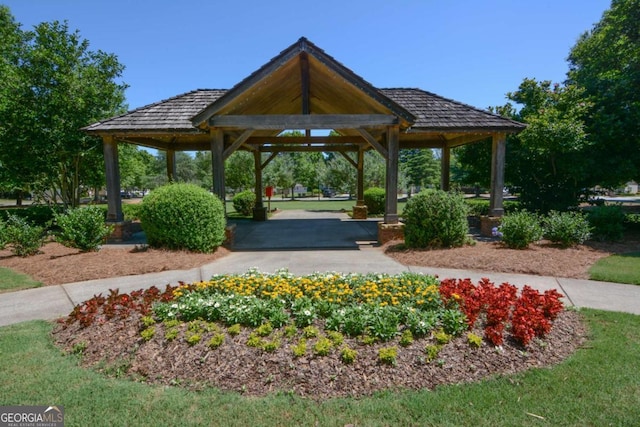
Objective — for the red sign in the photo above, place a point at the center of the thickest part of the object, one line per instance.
(269, 191)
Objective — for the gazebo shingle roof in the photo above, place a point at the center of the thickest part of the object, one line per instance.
(173, 114)
(432, 113)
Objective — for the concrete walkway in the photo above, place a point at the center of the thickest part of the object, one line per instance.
(332, 242)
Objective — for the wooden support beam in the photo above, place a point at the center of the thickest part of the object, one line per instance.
(498, 150)
(373, 142)
(349, 159)
(445, 167)
(467, 139)
(266, 162)
(310, 121)
(257, 160)
(171, 165)
(259, 140)
(391, 184)
(217, 163)
(112, 172)
(307, 148)
(237, 143)
(360, 180)
(305, 83)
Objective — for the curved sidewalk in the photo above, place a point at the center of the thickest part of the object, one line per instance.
(51, 302)
(303, 242)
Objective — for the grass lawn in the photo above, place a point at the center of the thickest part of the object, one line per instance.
(12, 281)
(312, 204)
(617, 268)
(599, 385)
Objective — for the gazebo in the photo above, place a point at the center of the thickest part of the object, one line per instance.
(304, 88)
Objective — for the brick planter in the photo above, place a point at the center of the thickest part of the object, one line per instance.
(122, 232)
(389, 232)
(487, 223)
(360, 212)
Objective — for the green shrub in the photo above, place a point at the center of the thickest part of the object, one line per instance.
(566, 228)
(520, 229)
(3, 234)
(82, 228)
(348, 355)
(38, 215)
(131, 211)
(244, 202)
(435, 218)
(183, 216)
(607, 222)
(388, 355)
(25, 239)
(374, 198)
(632, 221)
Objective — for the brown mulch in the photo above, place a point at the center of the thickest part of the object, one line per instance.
(237, 367)
(57, 264)
(543, 259)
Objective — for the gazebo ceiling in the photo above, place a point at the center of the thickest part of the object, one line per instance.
(304, 81)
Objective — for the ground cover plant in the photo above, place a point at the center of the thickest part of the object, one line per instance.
(321, 335)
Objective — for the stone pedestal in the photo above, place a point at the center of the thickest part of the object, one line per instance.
(389, 232)
(229, 235)
(487, 223)
(260, 214)
(122, 231)
(360, 212)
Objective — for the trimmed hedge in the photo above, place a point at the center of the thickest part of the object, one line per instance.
(183, 216)
(244, 202)
(435, 218)
(374, 198)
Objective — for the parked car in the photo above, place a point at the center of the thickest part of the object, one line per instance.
(328, 192)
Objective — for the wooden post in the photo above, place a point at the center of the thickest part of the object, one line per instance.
(498, 149)
(112, 172)
(259, 211)
(360, 189)
(391, 184)
(445, 167)
(217, 163)
(171, 165)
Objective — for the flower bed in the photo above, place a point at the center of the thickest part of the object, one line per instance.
(320, 335)
(377, 306)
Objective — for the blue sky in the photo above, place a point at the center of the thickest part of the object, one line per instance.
(473, 51)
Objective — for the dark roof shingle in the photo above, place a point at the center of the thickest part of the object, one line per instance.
(434, 112)
(173, 114)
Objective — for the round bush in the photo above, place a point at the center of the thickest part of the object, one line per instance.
(435, 218)
(183, 216)
(566, 228)
(244, 202)
(374, 198)
(520, 229)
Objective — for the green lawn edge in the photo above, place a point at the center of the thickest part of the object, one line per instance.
(13, 281)
(595, 386)
(622, 268)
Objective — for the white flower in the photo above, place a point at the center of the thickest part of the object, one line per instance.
(307, 313)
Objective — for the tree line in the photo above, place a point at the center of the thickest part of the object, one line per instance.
(582, 132)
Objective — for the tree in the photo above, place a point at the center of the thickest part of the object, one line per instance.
(606, 63)
(550, 161)
(135, 166)
(240, 171)
(419, 167)
(58, 87)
